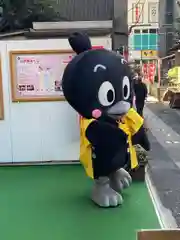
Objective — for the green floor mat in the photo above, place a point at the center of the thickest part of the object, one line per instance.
(52, 203)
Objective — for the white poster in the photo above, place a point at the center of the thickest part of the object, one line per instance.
(133, 54)
(153, 12)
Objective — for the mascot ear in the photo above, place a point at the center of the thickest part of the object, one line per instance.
(79, 42)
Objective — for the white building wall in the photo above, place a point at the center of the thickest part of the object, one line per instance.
(146, 17)
(38, 131)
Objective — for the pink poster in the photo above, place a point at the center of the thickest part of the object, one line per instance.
(40, 75)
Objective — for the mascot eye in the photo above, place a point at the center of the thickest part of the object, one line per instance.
(106, 94)
(126, 88)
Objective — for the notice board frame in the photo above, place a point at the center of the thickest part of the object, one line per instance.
(1, 93)
(12, 61)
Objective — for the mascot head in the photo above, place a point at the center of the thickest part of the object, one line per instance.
(96, 83)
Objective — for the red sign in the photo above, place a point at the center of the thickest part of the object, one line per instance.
(152, 72)
(137, 14)
(149, 71)
(97, 47)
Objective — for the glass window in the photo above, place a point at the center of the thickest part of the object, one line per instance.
(137, 31)
(153, 41)
(145, 39)
(137, 42)
(145, 47)
(153, 30)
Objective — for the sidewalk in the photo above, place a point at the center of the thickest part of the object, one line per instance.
(164, 166)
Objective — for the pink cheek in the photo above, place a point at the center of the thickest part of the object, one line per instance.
(96, 113)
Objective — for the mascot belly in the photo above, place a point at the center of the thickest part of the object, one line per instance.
(97, 84)
(131, 123)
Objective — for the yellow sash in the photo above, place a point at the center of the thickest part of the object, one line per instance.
(131, 123)
(85, 147)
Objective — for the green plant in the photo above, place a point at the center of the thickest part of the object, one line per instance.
(141, 154)
(20, 14)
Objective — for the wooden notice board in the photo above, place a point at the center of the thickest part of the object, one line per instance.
(37, 75)
(1, 95)
(159, 234)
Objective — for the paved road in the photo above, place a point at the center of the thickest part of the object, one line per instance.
(164, 166)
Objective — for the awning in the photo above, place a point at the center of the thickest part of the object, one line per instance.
(65, 32)
(63, 29)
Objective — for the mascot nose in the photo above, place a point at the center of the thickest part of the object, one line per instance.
(120, 108)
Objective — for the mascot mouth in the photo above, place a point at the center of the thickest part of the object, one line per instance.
(119, 109)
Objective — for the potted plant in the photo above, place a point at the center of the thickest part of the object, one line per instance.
(138, 174)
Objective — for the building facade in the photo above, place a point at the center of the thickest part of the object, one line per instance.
(85, 10)
(28, 11)
(176, 17)
(169, 25)
(143, 17)
(168, 13)
(101, 10)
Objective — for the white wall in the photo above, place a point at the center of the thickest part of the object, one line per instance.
(38, 131)
(5, 125)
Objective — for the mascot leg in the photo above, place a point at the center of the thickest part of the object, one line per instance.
(109, 180)
(103, 195)
(120, 179)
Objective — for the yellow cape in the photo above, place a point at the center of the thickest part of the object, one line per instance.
(131, 123)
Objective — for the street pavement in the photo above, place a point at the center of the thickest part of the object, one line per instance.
(164, 163)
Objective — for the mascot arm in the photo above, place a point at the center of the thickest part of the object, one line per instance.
(141, 138)
(104, 134)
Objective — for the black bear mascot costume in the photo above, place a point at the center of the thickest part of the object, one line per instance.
(97, 84)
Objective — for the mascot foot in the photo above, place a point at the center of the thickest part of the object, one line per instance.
(103, 195)
(120, 179)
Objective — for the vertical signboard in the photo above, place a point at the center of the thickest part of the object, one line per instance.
(153, 13)
(137, 13)
(149, 71)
